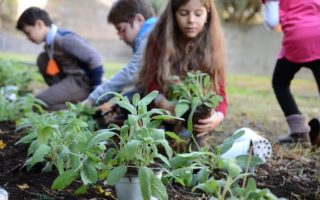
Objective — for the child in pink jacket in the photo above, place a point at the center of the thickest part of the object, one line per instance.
(300, 23)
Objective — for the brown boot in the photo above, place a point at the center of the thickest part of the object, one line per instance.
(315, 131)
(298, 130)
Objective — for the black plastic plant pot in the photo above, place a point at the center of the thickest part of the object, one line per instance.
(202, 112)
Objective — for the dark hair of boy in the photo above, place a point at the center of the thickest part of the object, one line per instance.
(31, 15)
(124, 10)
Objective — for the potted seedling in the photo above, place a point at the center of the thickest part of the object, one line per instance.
(194, 97)
(135, 160)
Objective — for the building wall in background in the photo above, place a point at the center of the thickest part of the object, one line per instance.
(250, 49)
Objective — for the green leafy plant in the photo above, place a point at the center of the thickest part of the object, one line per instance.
(217, 177)
(194, 97)
(63, 140)
(139, 144)
(16, 74)
(19, 106)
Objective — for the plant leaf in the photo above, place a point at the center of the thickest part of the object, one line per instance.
(243, 159)
(149, 98)
(116, 174)
(131, 148)
(135, 99)
(145, 182)
(173, 135)
(44, 134)
(203, 175)
(64, 180)
(167, 147)
(38, 155)
(88, 173)
(83, 189)
(251, 186)
(181, 108)
(101, 135)
(209, 187)
(158, 189)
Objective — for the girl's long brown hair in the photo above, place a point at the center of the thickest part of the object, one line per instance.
(166, 55)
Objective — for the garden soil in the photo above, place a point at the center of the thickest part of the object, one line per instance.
(292, 173)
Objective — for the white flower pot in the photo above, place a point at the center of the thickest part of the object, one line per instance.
(261, 146)
(3, 194)
(128, 188)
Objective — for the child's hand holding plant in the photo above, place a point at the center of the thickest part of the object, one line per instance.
(205, 126)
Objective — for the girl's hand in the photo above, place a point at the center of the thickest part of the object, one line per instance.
(205, 126)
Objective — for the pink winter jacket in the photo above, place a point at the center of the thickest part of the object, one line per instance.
(300, 22)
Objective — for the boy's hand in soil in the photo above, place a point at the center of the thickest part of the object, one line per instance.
(205, 126)
(106, 107)
(87, 102)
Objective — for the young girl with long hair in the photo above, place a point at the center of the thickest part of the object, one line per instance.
(187, 37)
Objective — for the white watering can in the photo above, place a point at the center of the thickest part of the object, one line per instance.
(241, 146)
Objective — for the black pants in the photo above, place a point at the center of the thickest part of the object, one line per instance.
(283, 74)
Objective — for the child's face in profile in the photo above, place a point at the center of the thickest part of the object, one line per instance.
(191, 18)
(128, 31)
(36, 33)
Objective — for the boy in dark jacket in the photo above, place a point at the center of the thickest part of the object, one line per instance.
(68, 64)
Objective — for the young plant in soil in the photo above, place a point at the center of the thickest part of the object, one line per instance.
(63, 140)
(12, 109)
(16, 74)
(216, 177)
(194, 97)
(138, 149)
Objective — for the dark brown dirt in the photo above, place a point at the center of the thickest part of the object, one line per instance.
(291, 173)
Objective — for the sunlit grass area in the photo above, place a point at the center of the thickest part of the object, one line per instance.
(250, 97)
(110, 68)
(254, 95)
(18, 57)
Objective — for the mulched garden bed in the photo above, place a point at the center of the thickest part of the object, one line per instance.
(292, 173)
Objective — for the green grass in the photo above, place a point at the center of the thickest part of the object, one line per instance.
(250, 97)
(18, 57)
(110, 68)
(254, 96)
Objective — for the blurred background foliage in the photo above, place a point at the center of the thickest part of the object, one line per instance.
(8, 12)
(236, 11)
(239, 11)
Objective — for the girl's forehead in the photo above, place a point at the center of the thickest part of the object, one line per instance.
(191, 4)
